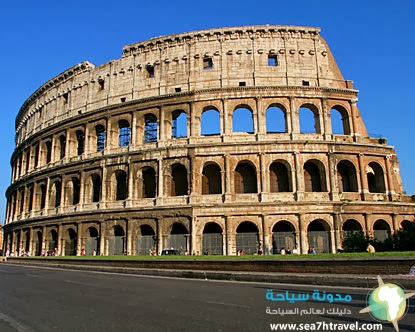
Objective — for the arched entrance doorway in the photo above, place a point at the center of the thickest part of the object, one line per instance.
(283, 236)
(92, 242)
(381, 230)
(146, 240)
(70, 243)
(247, 238)
(116, 243)
(212, 240)
(319, 236)
(178, 237)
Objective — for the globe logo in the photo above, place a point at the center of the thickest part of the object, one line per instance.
(387, 303)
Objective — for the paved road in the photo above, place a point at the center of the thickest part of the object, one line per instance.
(41, 299)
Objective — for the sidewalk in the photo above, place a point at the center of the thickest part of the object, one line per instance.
(361, 281)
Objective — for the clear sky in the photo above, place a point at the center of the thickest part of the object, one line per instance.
(373, 42)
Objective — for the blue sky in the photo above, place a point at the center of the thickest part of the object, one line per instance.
(372, 41)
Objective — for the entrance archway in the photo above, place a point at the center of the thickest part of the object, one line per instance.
(247, 238)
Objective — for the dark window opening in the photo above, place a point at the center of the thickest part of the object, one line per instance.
(100, 131)
(65, 98)
(150, 71)
(27, 160)
(178, 89)
(179, 124)
(96, 188)
(122, 186)
(101, 83)
(207, 63)
(80, 139)
(62, 144)
(31, 195)
(42, 196)
(245, 180)
(21, 200)
(124, 137)
(76, 188)
(242, 83)
(375, 178)
(123, 99)
(48, 146)
(179, 185)
(150, 128)
(313, 178)
(58, 191)
(149, 183)
(346, 175)
(211, 180)
(37, 155)
(272, 60)
(279, 179)
(306, 83)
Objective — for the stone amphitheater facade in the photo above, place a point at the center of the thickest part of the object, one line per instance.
(219, 140)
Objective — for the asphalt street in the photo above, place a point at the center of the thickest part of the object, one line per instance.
(43, 299)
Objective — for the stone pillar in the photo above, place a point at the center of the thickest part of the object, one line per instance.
(79, 240)
(293, 115)
(298, 176)
(229, 236)
(226, 123)
(20, 242)
(303, 234)
(13, 242)
(134, 129)
(31, 242)
(160, 182)
(104, 186)
(257, 118)
(130, 183)
(352, 123)
(334, 189)
(363, 178)
(390, 189)
(266, 234)
(87, 142)
(108, 137)
(160, 243)
(333, 242)
(129, 236)
(60, 248)
(325, 122)
(395, 223)
(368, 230)
(101, 239)
(43, 247)
(228, 175)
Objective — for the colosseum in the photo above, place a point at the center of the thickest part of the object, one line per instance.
(221, 140)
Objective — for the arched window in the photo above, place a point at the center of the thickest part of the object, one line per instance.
(149, 182)
(179, 124)
(276, 120)
(242, 120)
(279, 178)
(80, 140)
(42, 196)
(212, 239)
(319, 236)
(56, 191)
(247, 238)
(339, 120)
(211, 180)
(48, 146)
(100, 132)
(283, 236)
(210, 124)
(178, 237)
(381, 230)
(179, 186)
(96, 188)
(122, 187)
(309, 119)
(346, 175)
(245, 180)
(124, 136)
(375, 178)
(75, 190)
(351, 227)
(62, 146)
(150, 128)
(314, 177)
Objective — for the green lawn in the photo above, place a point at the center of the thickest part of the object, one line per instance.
(204, 257)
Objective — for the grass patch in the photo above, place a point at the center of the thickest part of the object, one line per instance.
(245, 257)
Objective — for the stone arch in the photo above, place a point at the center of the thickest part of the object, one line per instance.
(381, 230)
(92, 241)
(212, 239)
(309, 118)
(276, 119)
(80, 142)
(55, 193)
(70, 239)
(351, 226)
(26, 241)
(283, 236)
(178, 124)
(73, 190)
(100, 137)
(319, 236)
(150, 128)
(247, 238)
(179, 183)
(242, 120)
(406, 225)
(119, 181)
(346, 176)
(38, 243)
(178, 237)
(340, 120)
(116, 241)
(279, 177)
(211, 179)
(94, 188)
(210, 121)
(245, 178)
(149, 182)
(314, 176)
(146, 240)
(375, 178)
(124, 133)
(52, 241)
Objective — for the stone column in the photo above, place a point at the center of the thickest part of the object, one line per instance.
(303, 234)
(334, 189)
(390, 189)
(159, 236)
(298, 176)
(226, 123)
(31, 242)
(101, 239)
(396, 225)
(60, 242)
(337, 230)
(228, 174)
(264, 188)
(368, 231)
(43, 247)
(108, 136)
(293, 115)
(134, 129)
(79, 240)
(129, 236)
(352, 123)
(81, 189)
(160, 182)
(363, 178)
(326, 123)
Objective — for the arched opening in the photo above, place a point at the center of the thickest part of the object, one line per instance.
(276, 120)
(149, 182)
(381, 230)
(314, 176)
(62, 146)
(100, 132)
(70, 242)
(179, 185)
(211, 180)
(346, 176)
(38, 243)
(92, 242)
(26, 245)
(279, 178)
(339, 120)
(375, 178)
(146, 241)
(210, 124)
(283, 237)
(75, 188)
(245, 180)
(406, 225)
(247, 238)
(212, 240)
(350, 227)
(96, 188)
(80, 142)
(124, 135)
(56, 193)
(309, 119)
(319, 236)
(150, 128)
(42, 196)
(178, 237)
(17, 237)
(48, 152)
(116, 243)
(122, 187)
(242, 121)
(52, 241)
(179, 124)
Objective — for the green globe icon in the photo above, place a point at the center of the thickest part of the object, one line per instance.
(387, 302)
